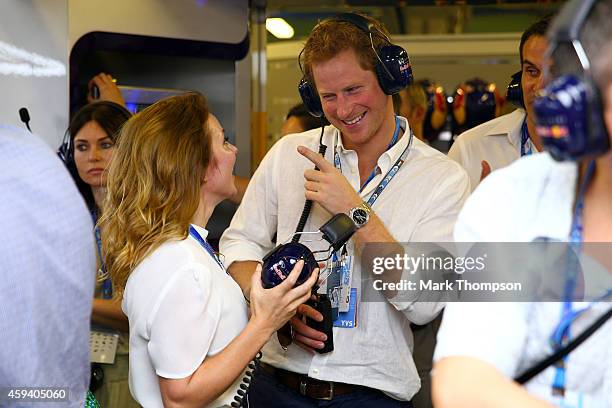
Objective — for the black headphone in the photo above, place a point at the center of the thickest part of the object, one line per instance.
(393, 69)
(514, 93)
(278, 263)
(66, 149)
(569, 111)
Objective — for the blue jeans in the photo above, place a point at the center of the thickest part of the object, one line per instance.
(266, 392)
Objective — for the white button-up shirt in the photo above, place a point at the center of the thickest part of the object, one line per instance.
(182, 308)
(420, 204)
(497, 141)
(532, 198)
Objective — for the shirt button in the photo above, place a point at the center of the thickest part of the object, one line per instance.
(315, 371)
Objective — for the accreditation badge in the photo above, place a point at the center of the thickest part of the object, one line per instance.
(334, 285)
(570, 400)
(346, 266)
(348, 319)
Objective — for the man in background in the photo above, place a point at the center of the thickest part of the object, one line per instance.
(299, 120)
(411, 103)
(499, 142)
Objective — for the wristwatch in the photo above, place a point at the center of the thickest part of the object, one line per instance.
(360, 214)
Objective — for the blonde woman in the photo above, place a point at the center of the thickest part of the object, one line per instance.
(190, 337)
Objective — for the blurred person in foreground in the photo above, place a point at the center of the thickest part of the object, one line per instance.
(564, 194)
(47, 252)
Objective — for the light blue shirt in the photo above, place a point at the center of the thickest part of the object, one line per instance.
(47, 269)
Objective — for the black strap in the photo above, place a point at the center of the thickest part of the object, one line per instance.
(308, 203)
(552, 359)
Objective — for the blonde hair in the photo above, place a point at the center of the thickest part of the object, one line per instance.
(415, 94)
(154, 181)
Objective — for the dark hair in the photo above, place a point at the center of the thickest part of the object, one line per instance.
(397, 103)
(111, 117)
(306, 119)
(538, 28)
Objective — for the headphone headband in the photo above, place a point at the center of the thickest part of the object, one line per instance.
(569, 111)
(392, 69)
(566, 27)
(362, 23)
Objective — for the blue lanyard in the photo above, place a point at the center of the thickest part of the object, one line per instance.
(577, 227)
(562, 333)
(392, 171)
(196, 235)
(393, 141)
(107, 284)
(525, 145)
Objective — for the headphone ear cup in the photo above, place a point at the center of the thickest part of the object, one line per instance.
(278, 264)
(599, 139)
(397, 63)
(570, 119)
(310, 98)
(514, 93)
(65, 151)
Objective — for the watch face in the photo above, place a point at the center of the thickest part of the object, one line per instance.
(360, 216)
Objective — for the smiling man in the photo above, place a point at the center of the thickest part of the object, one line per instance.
(372, 362)
(499, 142)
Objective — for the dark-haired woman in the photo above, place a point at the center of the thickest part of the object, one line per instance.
(91, 142)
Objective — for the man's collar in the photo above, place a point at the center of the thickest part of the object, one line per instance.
(386, 160)
(510, 126)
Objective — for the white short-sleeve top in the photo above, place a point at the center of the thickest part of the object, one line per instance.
(182, 307)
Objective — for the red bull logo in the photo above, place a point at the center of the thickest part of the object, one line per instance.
(555, 131)
(404, 67)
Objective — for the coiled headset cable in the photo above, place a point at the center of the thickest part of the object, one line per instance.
(241, 397)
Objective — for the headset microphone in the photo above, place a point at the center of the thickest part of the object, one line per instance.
(24, 115)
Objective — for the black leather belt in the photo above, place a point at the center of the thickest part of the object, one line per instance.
(310, 387)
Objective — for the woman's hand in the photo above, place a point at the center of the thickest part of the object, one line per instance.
(272, 308)
(108, 89)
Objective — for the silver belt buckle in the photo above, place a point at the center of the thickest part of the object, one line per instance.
(303, 385)
(331, 392)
